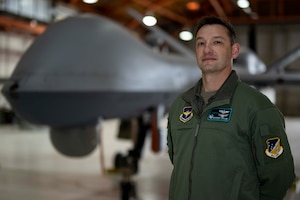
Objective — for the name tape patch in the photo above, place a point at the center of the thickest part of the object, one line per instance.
(220, 114)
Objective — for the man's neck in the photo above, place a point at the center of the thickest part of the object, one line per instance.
(213, 81)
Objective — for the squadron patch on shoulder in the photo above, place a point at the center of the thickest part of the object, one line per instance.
(220, 114)
(187, 114)
(274, 150)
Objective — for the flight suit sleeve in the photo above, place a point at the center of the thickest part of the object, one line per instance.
(169, 141)
(272, 153)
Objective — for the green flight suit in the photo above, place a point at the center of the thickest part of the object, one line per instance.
(233, 148)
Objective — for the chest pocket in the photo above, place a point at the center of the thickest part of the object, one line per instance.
(183, 133)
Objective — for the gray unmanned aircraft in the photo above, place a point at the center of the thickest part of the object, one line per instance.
(86, 68)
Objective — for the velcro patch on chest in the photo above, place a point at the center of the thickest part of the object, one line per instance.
(220, 114)
(186, 114)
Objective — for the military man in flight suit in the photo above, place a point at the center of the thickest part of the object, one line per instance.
(226, 140)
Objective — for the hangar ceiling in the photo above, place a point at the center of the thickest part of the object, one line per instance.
(173, 15)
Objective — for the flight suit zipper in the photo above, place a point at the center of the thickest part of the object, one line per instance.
(192, 160)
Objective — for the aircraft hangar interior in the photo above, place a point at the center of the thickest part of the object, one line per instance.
(86, 86)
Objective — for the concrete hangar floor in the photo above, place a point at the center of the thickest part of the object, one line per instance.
(30, 168)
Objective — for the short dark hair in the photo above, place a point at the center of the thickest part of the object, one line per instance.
(211, 20)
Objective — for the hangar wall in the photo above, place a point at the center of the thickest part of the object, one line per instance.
(273, 42)
(280, 40)
(12, 47)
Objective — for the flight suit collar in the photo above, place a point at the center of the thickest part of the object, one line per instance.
(193, 95)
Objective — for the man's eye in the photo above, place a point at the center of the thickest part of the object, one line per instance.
(200, 44)
(217, 42)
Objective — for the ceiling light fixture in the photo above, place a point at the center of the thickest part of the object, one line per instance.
(243, 3)
(149, 20)
(186, 35)
(193, 5)
(90, 1)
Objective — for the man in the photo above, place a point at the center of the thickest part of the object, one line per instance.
(226, 140)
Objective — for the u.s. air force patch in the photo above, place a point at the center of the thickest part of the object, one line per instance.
(187, 114)
(220, 114)
(273, 147)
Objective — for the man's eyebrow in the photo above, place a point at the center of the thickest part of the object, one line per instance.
(215, 37)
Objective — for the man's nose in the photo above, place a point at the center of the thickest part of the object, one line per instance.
(207, 48)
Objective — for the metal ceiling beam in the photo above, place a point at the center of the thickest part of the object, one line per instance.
(228, 6)
(266, 20)
(218, 8)
(158, 8)
(21, 25)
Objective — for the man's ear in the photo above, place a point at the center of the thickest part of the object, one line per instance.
(235, 50)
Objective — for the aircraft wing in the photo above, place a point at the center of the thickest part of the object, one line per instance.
(272, 79)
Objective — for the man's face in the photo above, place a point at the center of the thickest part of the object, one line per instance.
(214, 51)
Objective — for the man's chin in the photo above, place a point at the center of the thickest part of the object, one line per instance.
(207, 69)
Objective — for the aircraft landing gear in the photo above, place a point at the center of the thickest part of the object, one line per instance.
(128, 164)
(128, 190)
(128, 167)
